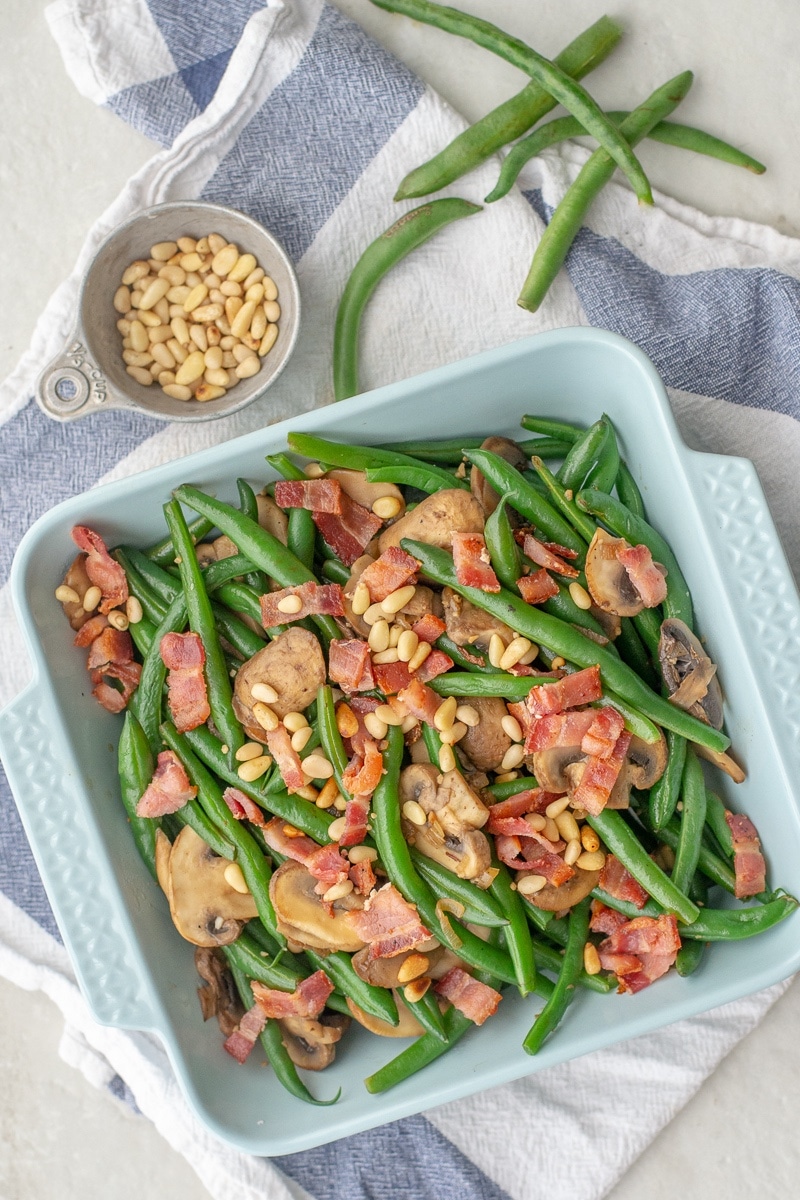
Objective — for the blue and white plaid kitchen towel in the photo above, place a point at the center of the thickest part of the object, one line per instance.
(288, 111)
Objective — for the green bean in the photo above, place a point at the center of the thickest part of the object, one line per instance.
(301, 532)
(146, 701)
(162, 583)
(693, 816)
(451, 450)
(561, 87)
(548, 958)
(732, 924)
(136, 766)
(717, 870)
(649, 909)
(569, 214)
(480, 907)
(581, 456)
(426, 1010)
(163, 552)
(497, 683)
(665, 792)
(517, 934)
(669, 133)
(249, 506)
(511, 787)
(628, 491)
(153, 606)
(510, 119)
(406, 234)
(142, 633)
(582, 524)
(571, 645)
(263, 550)
(603, 473)
(549, 427)
(507, 480)
(201, 621)
(622, 522)
(622, 842)
(358, 458)
(565, 608)
(503, 549)
(425, 478)
(423, 1051)
(331, 739)
(564, 991)
(715, 819)
(689, 957)
(377, 1001)
(333, 569)
(460, 656)
(246, 956)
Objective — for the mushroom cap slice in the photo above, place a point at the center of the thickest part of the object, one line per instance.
(205, 909)
(408, 1025)
(356, 485)
(304, 918)
(556, 899)
(292, 664)
(486, 743)
(609, 584)
(435, 519)
(468, 625)
(311, 1043)
(219, 998)
(272, 517)
(79, 581)
(689, 673)
(551, 768)
(505, 448)
(163, 849)
(467, 854)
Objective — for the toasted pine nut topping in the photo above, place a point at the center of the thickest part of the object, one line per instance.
(67, 595)
(378, 639)
(506, 776)
(518, 647)
(445, 714)
(398, 599)
(407, 645)
(249, 751)
(358, 854)
(346, 720)
(313, 471)
(389, 655)
(594, 861)
(580, 596)
(568, 827)
(468, 715)
(558, 663)
(254, 768)
(262, 691)
(386, 713)
(420, 654)
(92, 598)
(529, 885)
(572, 852)
(301, 738)
(557, 806)
(414, 966)
(414, 812)
(265, 716)
(133, 610)
(375, 726)
(385, 507)
(513, 757)
(591, 959)
(336, 829)
(235, 879)
(551, 830)
(316, 766)
(511, 726)
(295, 721)
(454, 734)
(361, 599)
(497, 649)
(373, 614)
(589, 839)
(416, 989)
(338, 891)
(118, 619)
(447, 759)
(536, 821)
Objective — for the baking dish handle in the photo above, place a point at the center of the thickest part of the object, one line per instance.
(90, 916)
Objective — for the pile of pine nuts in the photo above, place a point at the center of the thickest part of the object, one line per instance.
(196, 317)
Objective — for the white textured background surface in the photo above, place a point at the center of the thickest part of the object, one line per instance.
(61, 162)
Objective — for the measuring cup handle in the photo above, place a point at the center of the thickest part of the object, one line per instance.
(72, 385)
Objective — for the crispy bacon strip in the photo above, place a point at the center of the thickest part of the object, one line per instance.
(537, 587)
(435, 664)
(472, 563)
(244, 1037)
(325, 863)
(391, 678)
(319, 495)
(279, 742)
(429, 627)
(605, 919)
(111, 657)
(601, 736)
(547, 554)
(394, 569)
(362, 876)
(242, 807)
(419, 700)
(388, 923)
(187, 695)
(527, 854)
(363, 773)
(103, 571)
(641, 951)
(356, 816)
(315, 598)
(599, 777)
(558, 729)
(644, 574)
(111, 646)
(307, 1000)
(534, 800)
(748, 861)
(582, 687)
(350, 665)
(90, 630)
(349, 532)
(168, 790)
(619, 883)
(474, 999)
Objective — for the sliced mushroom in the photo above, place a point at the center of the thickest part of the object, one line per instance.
(407, 1027)
(272, 517)
(456, 806)
(723, 761)
(644, 765)
(310, 1043)
(384, 972)
(505, 448)
(205, 909)
(486, 743)
(218, 997)
(435, 519)
(609, 584)
(77, 579)
(553, 768)
(689, 673)
(163, 849)
(467, 854)
(468, 625)
(302, 915)
(425, 600)
(358, 488)
(292, 665)
(557, 899)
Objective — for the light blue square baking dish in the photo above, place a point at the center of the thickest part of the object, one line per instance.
(58, 746)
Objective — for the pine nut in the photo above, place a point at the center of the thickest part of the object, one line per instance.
(67, 595)
(572, 852)
(557, 806)
(209, 391)
(301, 739)
(346, 721)
(409, 723)
(176, 296)
(241, 322)
(589, 839)
(140, 375)
(557, 663)
(506, 776)
(385, 713)
(336, 829)
(136, 358)
(195, 298)
(420, 654)
(159, 334)
(136, 271)
(594, 861)
(568, 827)
(317, 766)
(445, 714)
(529, 885)
(513, 757)
(244, 265)
(358, 854)
(225, 259)
(213, 358)
(249, 367)
(174, 275)
(214, 335)
(454, 734)
(122, 299)
(273, 310)
(249, 751)
(361, 599)
(163, 250)
(177, 391)
(155, 292)
(254, 768)
(580, 596)
(229, 287)
(207, 312)
(395, 633)
(378, 639)
(529, 656)
(138, 336)
(514, 652)
(149, 318)
(497, 649)
(255, 277)
(374, 613)
(186, 244)
(591, 959)
(232, 307)
(289, 604)
(414, 812)
(447, 759)
(386, 656)
(536, 821)
(407, 645)
(374, 726)
(268, 340)
(387, 507)
(118, 619)
(177, 350)
(414, 991)
(338, 891)
(265, 716)
(294, 721)
(255, 293)
(162, 355)
(191, 369)
(398, 599)
(327, 794)
(468, 715)
(551, 830)
(511, 726)
(258, 325)
(414, 966)
(92, 598)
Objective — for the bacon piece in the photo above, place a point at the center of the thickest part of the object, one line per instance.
(363, 773)
(391, 678)
(429, 628)
(240, 1043)
(388, 923)
(356, 815)
(111, 657)
(315, 598)
(599, 777)
(350, 665)
(90, 630)
(516, 826)
(537, 587)
(394, 569)
(103, 571)
(111, 646)
(359, 707)
(168, 790)
(472, 563)
(641, 951)
(474, 999)
(534, 800)
(619, 883)
(362, 876)
(527, 854)
(307, 1000)
(349, 532)
(319, 495)
(643, 574)
(242, 807)
(325, 863)
(547, 554)
(187, 695)
(279, 743)
(582, 687)
(605, 919)
(435, 664)
(558, 729)
(601, 736)
(748, 861)
(420, 700)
